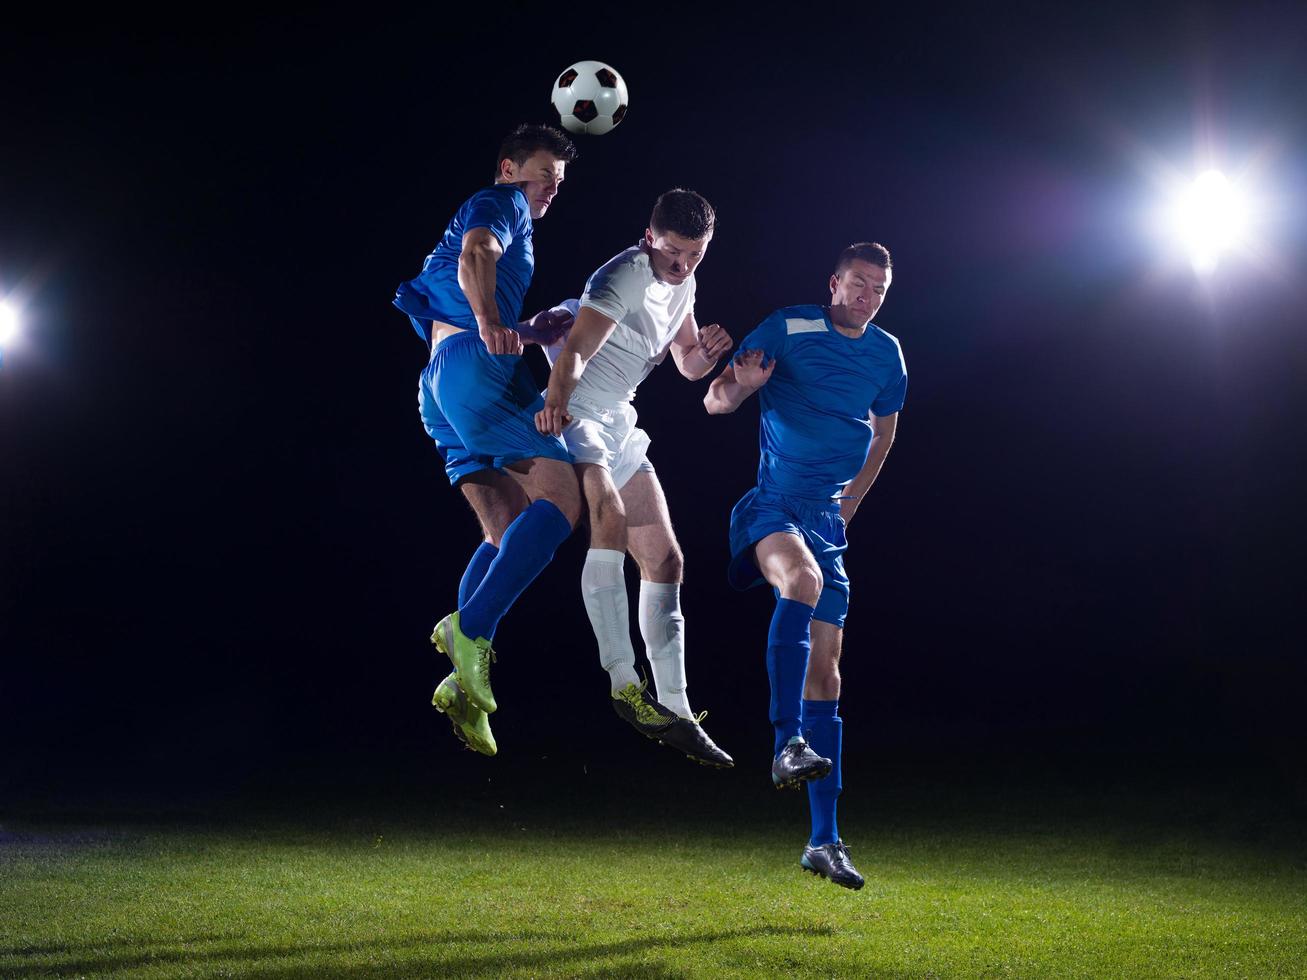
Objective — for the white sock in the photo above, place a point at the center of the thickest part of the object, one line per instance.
(663, 629)
(603, 587)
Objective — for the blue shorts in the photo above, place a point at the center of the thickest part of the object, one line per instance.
(480, 408)
(763, 512)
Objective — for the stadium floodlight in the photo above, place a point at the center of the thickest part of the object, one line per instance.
(8, 323)
(1208, 218)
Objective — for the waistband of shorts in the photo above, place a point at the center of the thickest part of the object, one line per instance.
(455, 338)
(621, 408)
(814, 506)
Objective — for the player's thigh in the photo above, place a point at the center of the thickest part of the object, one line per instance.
(787, 564)
(650, 537)
(645, 503)
(604, 505)
(497, 500)
(554, 480)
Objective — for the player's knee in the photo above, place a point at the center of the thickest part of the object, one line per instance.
(802, 584)
(607, 522)
(564, 494)
(667, 564)
(570, 505)
(823, 681)
(495, 522)
(673, 564)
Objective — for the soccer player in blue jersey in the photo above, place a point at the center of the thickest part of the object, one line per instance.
(831, 385)
(478, 402)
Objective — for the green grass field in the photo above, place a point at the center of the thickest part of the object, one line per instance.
(978, 887)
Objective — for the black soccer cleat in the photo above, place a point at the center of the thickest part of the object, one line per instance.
(832, 861)
(797, 764)
(687, 735)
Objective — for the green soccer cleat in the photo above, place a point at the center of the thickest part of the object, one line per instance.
(635, 705)
(470, 722)
(471, 659)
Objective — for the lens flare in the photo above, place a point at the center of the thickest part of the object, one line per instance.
(1209, 218)
(8, 323)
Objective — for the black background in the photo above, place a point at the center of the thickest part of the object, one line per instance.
(224, 536)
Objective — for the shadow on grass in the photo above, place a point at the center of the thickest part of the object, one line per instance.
(120, 942)
(505, 952)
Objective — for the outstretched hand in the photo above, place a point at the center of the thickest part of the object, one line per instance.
(750, 371)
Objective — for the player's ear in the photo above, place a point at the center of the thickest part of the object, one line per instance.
(834, 281)
(507, 169)
(649, 237)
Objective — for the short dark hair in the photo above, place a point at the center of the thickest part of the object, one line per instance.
(684, 212)
(873, 252)
(527, 139)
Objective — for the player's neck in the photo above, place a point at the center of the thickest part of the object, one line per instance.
(648, 254)
(852, 332)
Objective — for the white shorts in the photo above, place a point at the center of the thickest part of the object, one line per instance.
(608, 436)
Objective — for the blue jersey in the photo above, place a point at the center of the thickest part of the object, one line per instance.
(436, 295)
(816, 408)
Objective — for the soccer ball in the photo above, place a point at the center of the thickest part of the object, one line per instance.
(590, 98)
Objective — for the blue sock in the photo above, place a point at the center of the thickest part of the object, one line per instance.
(824, 730)
(526, 548)
(476, 571)
(788, 643)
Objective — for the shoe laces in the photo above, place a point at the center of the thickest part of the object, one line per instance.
(698, 719)
(634, 695)
(485, 657)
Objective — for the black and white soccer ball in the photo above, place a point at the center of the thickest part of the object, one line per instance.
(589, 97)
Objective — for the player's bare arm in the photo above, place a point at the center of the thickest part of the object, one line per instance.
(476, 277)
(882, 437)
(588, 334)
(696, 350)
(743, 376)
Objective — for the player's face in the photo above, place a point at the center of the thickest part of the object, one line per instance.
(857, 292)
(539, 177)
(674, 258)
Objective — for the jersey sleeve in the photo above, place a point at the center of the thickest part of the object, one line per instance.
(572, 306)
(496, 211)
(768, 336)
(890, 399)
(609, 291)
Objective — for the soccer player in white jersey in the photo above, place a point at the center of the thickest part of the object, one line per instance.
(636, 307)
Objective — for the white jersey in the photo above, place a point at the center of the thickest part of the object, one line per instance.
(648, 314)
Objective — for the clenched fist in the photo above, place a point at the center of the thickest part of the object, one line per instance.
(500, 340)
(714, 341)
